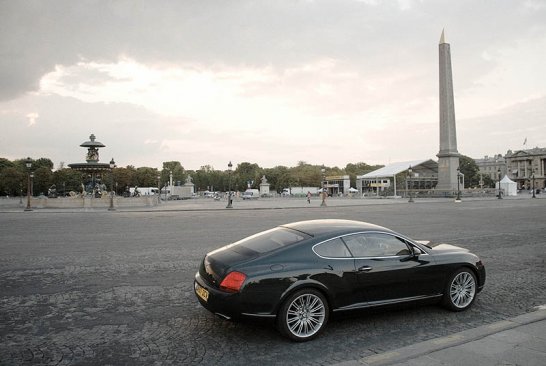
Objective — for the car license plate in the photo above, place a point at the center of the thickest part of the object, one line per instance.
(201, 292)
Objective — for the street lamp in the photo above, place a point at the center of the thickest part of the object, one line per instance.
(458, 199)
(158, 188)
(112, 166)
(324, 191)
(410, 171)
(28, 163)
(229, 185)
(500, 193)
(533, 178)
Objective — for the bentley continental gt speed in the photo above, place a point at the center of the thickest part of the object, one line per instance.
(300, 273)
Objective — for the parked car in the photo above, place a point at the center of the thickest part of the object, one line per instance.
(298, 274)
(251, 194)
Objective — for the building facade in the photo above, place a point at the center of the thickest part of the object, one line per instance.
(396, 178)
(490, 166)
(337, 184)
(526, 166)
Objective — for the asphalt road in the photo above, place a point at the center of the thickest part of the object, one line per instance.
(117, 287)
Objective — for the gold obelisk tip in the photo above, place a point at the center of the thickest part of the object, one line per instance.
(442, 38)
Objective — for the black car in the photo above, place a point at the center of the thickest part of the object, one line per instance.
(299, 273)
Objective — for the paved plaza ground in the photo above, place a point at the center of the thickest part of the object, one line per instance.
(99, 287)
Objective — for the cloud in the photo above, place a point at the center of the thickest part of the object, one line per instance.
(268, 82)
(32, 117)
(38, 36)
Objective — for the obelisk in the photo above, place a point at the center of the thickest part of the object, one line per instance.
(448, 157)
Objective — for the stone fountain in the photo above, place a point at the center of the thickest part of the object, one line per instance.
(92, 169)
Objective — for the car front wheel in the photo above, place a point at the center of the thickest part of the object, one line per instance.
(461, 290)
(303, 315)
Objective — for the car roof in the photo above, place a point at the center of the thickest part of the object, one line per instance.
(333, 226)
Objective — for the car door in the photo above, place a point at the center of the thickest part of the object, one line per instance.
(338, 273)
(387, 268)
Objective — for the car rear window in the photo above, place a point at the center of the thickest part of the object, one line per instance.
(269, 240)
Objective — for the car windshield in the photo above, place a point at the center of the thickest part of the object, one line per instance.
(269, 240)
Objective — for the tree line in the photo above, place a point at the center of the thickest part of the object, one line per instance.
(14, 175)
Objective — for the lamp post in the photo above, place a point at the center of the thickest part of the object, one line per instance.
(324, 191)
(500, 193)
(158, 188)
(410, 171)
(533, 178)
(28, 164)
(229, 205)
(20, 194)
(458, 199)
(112, 166)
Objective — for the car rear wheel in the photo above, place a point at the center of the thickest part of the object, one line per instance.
(461, 290)
(303, 315)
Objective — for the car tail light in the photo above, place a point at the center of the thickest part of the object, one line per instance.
(233, 282)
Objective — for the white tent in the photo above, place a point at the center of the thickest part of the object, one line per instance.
(508, 186)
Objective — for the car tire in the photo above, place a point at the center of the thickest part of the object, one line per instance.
(461, 290)
(303, 315)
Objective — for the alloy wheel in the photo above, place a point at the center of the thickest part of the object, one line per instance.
(462, 290)
(305, 315)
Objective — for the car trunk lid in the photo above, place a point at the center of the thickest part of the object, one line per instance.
(216, 265)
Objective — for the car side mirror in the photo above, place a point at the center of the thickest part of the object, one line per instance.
(414, 253)
(417, 251)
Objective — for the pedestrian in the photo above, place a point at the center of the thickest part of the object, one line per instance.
(308, 197)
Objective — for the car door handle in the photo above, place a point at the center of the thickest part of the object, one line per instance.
(364, 269)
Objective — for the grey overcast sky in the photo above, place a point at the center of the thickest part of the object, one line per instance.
(268, 82)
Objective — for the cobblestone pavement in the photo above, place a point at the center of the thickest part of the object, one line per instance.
(116, 287)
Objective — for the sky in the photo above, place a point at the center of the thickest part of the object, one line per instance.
(269, 82)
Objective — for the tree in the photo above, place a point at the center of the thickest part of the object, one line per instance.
(278, 178)
(146, 177)
(67, 180)
(470, 170)
(43, 180)
(305, 175)
(246, 174)
(124, 178)
(12, 181)
(43, 163)
(5, 163)
(41, 169)
(177, 171)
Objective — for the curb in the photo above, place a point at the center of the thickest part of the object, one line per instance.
(175, 208)
(438, 344)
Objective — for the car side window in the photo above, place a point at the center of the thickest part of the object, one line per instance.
(334, 248)
(376, 245)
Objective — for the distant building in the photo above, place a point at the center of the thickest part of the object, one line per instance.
(522, 165)
(337, 184)
(490, 166)
(424, 176)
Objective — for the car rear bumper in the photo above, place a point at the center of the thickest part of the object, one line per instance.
(221, 303)
(224, 304)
